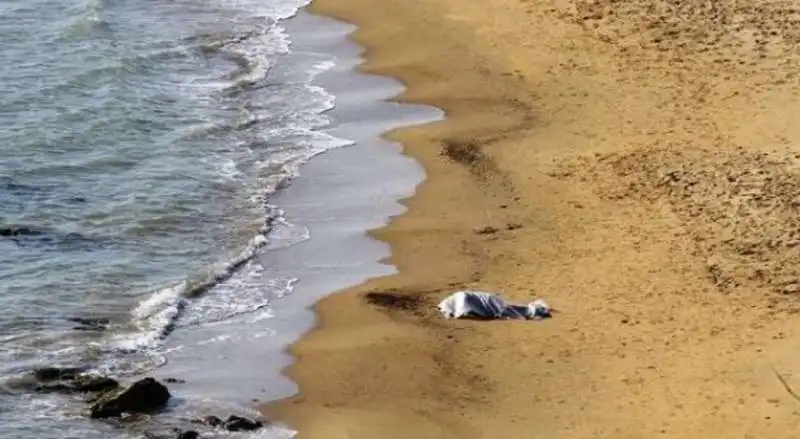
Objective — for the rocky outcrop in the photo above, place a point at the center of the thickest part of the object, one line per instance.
(144, 396)
(176, 434)
(211, 421)
(94, 383)
(63, 380)
(79, 384)
(233, 423)
(57, 373)
(125, 406)
(238, 423)
(89, 323)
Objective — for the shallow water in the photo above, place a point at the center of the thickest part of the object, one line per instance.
(139, 145)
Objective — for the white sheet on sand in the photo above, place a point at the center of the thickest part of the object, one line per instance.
(490, 306)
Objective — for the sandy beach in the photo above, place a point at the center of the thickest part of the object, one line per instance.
(634, 163)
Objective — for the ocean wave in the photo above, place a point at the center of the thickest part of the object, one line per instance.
(256, 9)
(266, 147)
(254, 52)
(159, 315)
(87, 21)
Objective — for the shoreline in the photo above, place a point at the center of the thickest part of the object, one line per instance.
(458, 162)
(597, 154)
(333, 201)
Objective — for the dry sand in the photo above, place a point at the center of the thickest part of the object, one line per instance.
(640, 160)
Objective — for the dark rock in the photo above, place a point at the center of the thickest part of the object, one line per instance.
(12, 232)
(174, 381)
(233, 423)
(144, 396)
(53, 388)
(66, 381)
(129, 419)
(175, 433)
(94, 383)
(238, 423)
(211, 421)
(57, 373)
(89, 323)
(94, 397)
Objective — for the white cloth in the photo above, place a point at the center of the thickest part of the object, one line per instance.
(490, 306)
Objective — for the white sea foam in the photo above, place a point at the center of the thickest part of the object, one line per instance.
(224, 167)
(215, 339)
(261, 50)
(275, 10)
(238, 288)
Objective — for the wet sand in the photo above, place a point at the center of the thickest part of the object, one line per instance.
(639, 163)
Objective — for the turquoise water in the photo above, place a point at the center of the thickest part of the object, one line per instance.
(139, 145)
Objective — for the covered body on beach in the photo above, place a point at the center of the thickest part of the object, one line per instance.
(483, 305)
(649, 154)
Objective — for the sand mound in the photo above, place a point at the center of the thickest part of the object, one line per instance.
(742, 209)
(742, 36)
